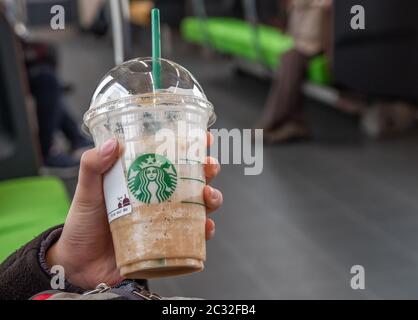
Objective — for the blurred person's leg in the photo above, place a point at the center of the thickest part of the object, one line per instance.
(42, 53)
(37, 52)
(284, 103)
(47, 93)
(72, 131)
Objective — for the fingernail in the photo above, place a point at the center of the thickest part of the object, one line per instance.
(108, 147)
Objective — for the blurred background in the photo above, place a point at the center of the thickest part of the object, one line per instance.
(337, 102)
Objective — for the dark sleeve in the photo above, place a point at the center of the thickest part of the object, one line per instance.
(24, 273)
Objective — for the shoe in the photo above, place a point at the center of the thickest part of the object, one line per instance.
(288, 132)
(78, 148)
(61, 165)
(386, 120)
(263, 124)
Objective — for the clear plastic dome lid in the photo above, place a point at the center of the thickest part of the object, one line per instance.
(137, 82)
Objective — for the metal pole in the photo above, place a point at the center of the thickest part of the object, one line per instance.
(250, 9)
(20, 17)
(126, 22)
(119, 13)
(22, 13)
(199, 10)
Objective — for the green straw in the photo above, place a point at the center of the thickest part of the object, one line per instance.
(156, 48)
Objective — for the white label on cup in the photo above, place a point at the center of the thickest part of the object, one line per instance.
(116, 192)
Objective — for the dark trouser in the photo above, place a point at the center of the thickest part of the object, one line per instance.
(51, 112)
(285, 99)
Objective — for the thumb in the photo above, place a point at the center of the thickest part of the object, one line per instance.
(93, 164)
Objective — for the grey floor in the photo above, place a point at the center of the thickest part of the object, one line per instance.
(317, 209)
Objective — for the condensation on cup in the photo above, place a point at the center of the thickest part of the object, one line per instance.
(154, 192)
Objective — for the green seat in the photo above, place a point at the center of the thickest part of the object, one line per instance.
(28, 206)
(226, 35)
(318, 71)
(237, 38)
(273, 44)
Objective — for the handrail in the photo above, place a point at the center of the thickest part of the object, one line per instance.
(121, 33)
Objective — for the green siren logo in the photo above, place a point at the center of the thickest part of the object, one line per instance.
(152, 178)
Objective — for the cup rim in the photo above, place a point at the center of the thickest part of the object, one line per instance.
(148, 100)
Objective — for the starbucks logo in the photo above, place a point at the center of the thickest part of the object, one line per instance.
(152, 178)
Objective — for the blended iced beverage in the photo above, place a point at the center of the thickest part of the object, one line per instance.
(154, 192)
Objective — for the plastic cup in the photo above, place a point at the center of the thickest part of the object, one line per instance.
(154, 193)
